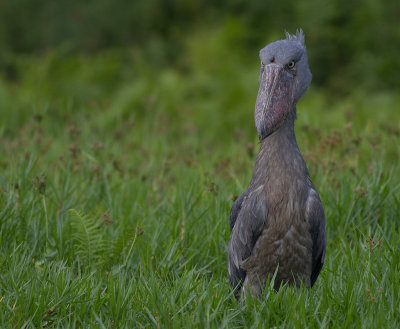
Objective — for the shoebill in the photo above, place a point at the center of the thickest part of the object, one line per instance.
(277, 224)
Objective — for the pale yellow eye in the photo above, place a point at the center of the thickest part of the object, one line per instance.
(291, 64)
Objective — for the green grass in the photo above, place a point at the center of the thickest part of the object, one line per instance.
(116, 182)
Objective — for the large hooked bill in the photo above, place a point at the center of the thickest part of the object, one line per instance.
(275, 99)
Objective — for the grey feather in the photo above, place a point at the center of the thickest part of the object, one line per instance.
(235, 210)
(250, 222)
(315, 216)
(298, 37)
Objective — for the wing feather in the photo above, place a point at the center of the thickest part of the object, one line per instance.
(237, 205)
(316, 218)
(247, 227)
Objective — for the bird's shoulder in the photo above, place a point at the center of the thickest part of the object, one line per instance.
(237, 205)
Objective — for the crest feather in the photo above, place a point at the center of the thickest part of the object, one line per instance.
(299, 37)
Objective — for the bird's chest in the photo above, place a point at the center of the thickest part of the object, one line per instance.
(285, 241)
(286, 202)
(286, 234)
(288, 254)
(289, 247)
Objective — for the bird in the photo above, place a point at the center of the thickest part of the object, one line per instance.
(277, 224)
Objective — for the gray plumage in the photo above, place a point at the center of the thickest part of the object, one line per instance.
(278, 222)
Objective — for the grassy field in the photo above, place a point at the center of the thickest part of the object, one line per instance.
(117, 178)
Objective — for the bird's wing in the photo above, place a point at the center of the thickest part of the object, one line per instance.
(249, 224)
(315, 216)
(237, 205)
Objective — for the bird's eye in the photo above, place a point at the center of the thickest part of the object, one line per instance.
(291, 65)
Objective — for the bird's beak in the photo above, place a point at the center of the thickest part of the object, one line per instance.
(275, 99)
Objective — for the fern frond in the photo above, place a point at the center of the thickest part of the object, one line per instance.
(123, 246)
(88, 240)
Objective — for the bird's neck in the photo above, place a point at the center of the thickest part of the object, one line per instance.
(285, 133)
(279, 158)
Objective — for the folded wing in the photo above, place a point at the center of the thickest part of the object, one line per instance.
(248, 219)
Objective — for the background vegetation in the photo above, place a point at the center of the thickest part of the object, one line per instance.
(354, 43)
(126, 131)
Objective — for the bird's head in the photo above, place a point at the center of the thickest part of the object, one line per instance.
(284, 78)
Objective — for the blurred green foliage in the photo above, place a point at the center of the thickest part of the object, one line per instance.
(353, 44)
